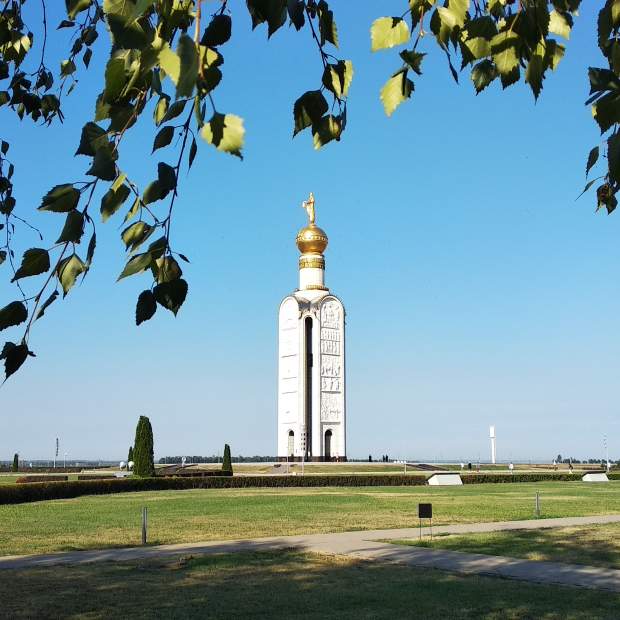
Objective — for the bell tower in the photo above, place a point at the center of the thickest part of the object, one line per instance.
(311, 358)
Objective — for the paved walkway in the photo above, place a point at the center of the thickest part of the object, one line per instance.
(368, 545)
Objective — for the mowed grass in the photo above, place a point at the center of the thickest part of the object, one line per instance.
(286, 585)
(594, 545)
(99, 521)
(12, 478)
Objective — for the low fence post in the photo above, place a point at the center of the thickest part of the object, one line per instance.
(144, 524)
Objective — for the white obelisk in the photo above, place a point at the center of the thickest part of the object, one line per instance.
(311, 359)
(492, 436)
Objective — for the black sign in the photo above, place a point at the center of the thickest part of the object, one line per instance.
(425, 511)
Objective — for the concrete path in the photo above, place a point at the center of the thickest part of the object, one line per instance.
(367, 545)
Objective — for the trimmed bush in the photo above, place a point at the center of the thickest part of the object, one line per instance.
(49, 470)
(14, 494)
(39, 479)
(227, 461)
(39, 491)
(485, 478)
(143, 464)
(15, 466)
(130, 455)
(196, 473)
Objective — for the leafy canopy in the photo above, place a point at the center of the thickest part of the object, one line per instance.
(166, 61)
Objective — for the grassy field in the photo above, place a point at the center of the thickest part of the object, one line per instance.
(596, 545)
(286, 585)
(195, 515)
(9, 478)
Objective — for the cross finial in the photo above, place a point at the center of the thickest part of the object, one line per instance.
(308, 205)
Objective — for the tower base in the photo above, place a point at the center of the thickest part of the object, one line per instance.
(313, 459)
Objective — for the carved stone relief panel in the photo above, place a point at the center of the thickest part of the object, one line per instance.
(330, 407)
(332, 361)
(331, 312)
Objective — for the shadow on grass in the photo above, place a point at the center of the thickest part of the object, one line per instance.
(283, 584)
(597, 545)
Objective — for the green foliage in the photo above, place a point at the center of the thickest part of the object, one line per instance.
(68, 270)
(509, 478)
(225, 132)
(309, 109)
(130, 454)
(396, 90)
(387, 32)
(143, 449)
(227, 461)
(165, 61)
(34, 262)
(37, 479)
(60, 199)
(14, 355)
(15, 466)
(13, 314)
(171, 295)
(39, 491)
(146, 306)
(73, 229)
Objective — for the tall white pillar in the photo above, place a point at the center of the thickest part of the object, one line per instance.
(311, 358)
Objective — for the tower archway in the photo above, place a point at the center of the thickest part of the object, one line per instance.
(328, 445)
(291, 443)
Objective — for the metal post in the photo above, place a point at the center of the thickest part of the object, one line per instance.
(537, 508)
(144, 524)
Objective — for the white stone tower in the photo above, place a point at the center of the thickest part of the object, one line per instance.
(311, 359)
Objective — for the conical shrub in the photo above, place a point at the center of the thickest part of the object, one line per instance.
(143, 464)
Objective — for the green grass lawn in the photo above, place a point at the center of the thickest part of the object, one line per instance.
(286, 585)
(194, 515)
(595, 545)
(11, 478)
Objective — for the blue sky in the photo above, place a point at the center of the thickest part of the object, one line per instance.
(478, 290)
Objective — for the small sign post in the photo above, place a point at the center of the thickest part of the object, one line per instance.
(144, 524)
(537, 505)
(425, 511)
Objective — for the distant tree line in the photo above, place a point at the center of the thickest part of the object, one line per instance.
(602, 461)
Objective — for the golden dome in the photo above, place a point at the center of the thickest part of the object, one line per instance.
(311, 238)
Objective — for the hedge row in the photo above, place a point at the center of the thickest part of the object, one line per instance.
(38, 491)
(31, 479)
(484, 478)
(44, 470)
(17, 494)
(196, 473)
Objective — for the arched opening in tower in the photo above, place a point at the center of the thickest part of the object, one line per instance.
(328, 445)
(308, 403)
(291, 444)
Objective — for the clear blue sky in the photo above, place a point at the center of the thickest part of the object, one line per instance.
(477, 290)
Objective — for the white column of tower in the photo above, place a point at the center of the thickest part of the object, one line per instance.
(492, 436)
(311, 368)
